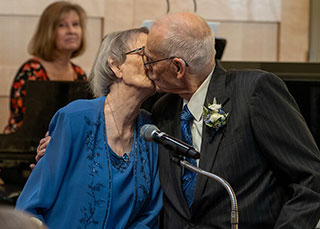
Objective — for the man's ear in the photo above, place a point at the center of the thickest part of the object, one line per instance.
(115, 67)
(180, 66)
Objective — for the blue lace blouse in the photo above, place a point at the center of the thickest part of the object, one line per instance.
(82, 183)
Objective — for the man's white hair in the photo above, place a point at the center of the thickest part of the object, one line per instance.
(191, 40)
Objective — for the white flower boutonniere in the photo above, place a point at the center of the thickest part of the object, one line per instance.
(214, 116)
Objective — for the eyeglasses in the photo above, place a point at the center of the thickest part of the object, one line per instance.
(134, 51)
(147, 62)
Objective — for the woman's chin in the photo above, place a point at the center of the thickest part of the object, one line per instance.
(149, 84)
(150, 89)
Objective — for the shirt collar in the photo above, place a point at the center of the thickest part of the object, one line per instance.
(196, 102)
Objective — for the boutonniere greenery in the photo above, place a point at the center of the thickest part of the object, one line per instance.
(214, 116)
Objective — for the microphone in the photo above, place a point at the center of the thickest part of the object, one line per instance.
(152, 133)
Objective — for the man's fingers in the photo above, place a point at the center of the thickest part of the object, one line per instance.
(41, 149)
(44, 140)
(44, 143)
(32, 166)
(40, 154)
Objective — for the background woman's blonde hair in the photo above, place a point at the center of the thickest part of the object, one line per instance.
(43, 43)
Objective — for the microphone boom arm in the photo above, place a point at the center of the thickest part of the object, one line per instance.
(223, 182)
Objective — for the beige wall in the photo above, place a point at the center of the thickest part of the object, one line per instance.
(268, 30)
(294, 30)
(245, 23)
(314, 46)
(256, 30)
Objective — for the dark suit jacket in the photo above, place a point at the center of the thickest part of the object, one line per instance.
(265, 151)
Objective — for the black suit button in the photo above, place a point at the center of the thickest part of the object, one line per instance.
(192, 223)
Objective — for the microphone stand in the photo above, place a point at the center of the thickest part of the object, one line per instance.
(223, 182)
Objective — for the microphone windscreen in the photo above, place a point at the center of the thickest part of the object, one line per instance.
(147, 131)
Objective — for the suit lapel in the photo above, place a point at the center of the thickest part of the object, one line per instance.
(172, 127)
(209, 149)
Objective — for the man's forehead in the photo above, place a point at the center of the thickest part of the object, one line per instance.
(153, 40)
(148, 50)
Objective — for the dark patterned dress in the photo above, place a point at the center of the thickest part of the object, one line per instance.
(30, 70)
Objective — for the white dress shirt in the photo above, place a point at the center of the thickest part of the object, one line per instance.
(195, 106)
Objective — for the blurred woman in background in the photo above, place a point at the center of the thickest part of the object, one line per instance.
(60, 36)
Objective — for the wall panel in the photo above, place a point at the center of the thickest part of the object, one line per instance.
(118, 15)
(4, 112)
(314, 54)
(249, 41)
(250, 27)
(294, 31)
(240, 10)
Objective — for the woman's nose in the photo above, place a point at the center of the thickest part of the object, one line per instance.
(71, 28)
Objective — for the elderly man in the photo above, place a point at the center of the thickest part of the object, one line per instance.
(251, 133)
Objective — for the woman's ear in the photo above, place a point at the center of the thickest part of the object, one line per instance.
(115, 67)
(180, 66)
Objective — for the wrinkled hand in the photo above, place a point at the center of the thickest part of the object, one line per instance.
(41, 149)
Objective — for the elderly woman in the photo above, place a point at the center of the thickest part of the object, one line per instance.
(58, 38)
(97, 171)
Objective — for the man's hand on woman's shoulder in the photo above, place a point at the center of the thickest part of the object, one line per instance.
(41, 149)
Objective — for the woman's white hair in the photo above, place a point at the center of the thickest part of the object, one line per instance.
(114, 45)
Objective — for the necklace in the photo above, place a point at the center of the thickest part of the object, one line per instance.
(125, 156)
